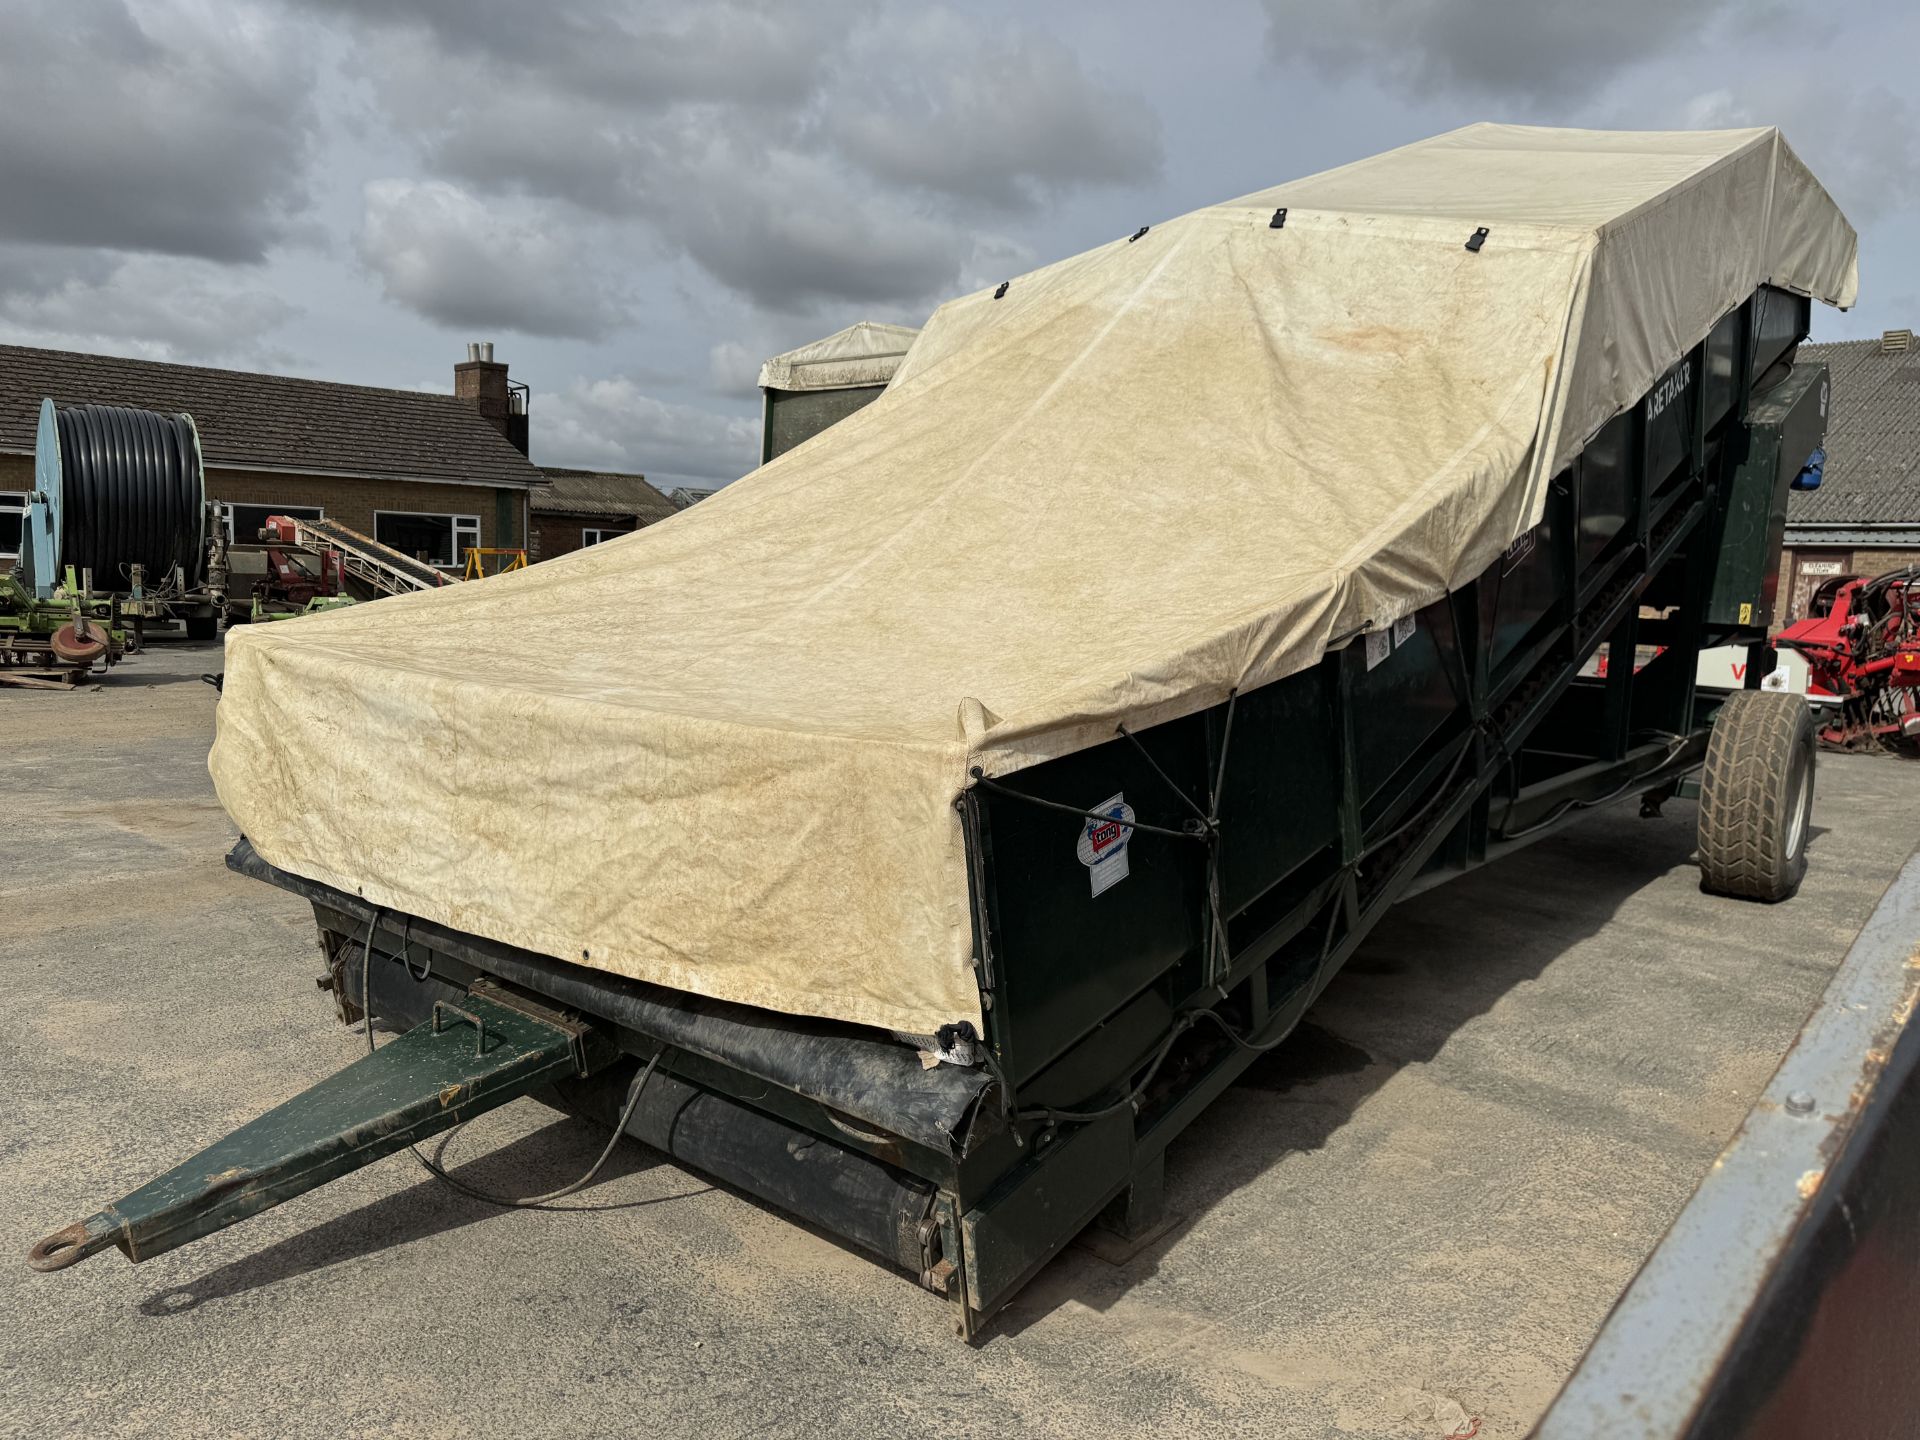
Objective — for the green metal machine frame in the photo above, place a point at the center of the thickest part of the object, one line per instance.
(1785, 428)
(29, 622)
(1267, 836)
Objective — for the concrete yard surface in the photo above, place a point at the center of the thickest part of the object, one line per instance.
(1407, 1221)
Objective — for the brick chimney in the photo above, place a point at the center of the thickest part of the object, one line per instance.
(482, 381)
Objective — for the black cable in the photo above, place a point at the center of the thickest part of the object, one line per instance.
(540, 1202)
(980, 779)
(1218, 944)
(1420, 811)
(131, 493)
(526, 1202)
(1206, 828)
(1632, 782)
(1009, 1115)
(1154, 765)
(1226, 741)
(1260, 1047)
(1182, 1022)
(1209, 819)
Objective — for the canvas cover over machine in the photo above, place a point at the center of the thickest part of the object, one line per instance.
(721, 754)
(863, 354)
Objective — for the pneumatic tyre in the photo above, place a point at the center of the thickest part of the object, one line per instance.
(203, 627)
(1756, 796)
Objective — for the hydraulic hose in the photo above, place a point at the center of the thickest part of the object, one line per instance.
(132, 494)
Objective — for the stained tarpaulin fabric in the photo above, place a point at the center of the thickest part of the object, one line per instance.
(721, 753)
(866, 354)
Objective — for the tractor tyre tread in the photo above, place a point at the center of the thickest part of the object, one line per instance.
(1749, 791)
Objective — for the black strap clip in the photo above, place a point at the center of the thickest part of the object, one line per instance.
(1477, 239)
(1137, 234)
(1279, 220)
(1002, 290)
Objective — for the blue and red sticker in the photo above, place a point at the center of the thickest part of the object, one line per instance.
(1103, 843)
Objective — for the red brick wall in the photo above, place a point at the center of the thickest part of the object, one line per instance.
(560, 534)
(352, 502)
(1851, 562)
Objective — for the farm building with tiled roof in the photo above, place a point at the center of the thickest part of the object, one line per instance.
(428, 474)
(1864, 519)
(586, 507)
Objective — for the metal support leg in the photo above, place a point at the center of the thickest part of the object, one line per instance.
(1136, 1219)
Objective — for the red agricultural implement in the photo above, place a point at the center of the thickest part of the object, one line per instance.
(297, 575)
(1861, 641)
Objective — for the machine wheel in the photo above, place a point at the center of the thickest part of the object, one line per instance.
(1756, 796)
(202, 627)
(69, 648)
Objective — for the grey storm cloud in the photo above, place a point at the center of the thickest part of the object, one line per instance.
(789, 231)
(616, 424)
(163, 307)
(792, 152)
(667, 192)
(153, 157)
(463, 261)
(643, 53)
(171, 130)
(1861, 143)
(1529, 50)
(950, 106)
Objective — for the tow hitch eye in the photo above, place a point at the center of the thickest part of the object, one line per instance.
(420, 1083)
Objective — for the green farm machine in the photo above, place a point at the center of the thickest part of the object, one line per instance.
(118, 535)
(1132, 870)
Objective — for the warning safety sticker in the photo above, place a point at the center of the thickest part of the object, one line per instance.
(1103, 843)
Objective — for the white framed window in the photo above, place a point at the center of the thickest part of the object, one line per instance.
(436, 538)
(245, 522)
(13, 520)
(595, 537)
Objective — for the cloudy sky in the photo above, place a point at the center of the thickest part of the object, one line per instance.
(639, 202)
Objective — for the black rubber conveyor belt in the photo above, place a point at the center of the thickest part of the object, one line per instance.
(858, 1073)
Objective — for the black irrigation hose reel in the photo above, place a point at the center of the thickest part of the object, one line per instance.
(115, 488)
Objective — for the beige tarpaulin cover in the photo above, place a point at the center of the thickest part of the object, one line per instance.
(866, 354)
(721, 753)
